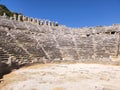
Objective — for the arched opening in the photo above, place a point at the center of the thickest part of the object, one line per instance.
(113, 32)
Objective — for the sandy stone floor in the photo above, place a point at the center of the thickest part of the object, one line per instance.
(63, 77)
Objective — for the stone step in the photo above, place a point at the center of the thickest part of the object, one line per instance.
(3, 55)
(3, 59)
(2, 52)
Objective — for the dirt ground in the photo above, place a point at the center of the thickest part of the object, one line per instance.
(63, 77)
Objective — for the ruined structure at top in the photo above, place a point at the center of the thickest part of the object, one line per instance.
(26, 40)
(22, 18)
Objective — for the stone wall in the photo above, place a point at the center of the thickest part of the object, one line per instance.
(31, 43)
(21, 18)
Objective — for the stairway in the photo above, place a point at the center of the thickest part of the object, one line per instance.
(4, 67)
(3, 56)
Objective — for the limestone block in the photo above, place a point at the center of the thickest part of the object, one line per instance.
(69, 54)
(14, 17)
(19, 17)
(115, 58)
(4, 14)
(65, 41)
(6, 23)
(19, 25)
(31, 27)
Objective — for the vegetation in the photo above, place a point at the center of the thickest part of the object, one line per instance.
(4, 9)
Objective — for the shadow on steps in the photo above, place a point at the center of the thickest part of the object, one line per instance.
(5, 68)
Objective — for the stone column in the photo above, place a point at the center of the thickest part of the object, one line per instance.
(33, 20)
(4, 14)
(49, 23)
(42, 22)
(11, 18)
(14, 17)
(38, 22)
(46, 22)
(19, 17)
(29, 19)
(56, 23)
(53, 24)
(24, 18)
(9, 62)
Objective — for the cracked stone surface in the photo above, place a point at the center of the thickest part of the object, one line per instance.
(63, 77)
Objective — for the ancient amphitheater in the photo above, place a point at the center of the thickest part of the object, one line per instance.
(24, 41)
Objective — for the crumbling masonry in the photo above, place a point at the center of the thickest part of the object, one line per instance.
(39, 41)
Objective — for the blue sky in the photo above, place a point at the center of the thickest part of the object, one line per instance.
(72, 13)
